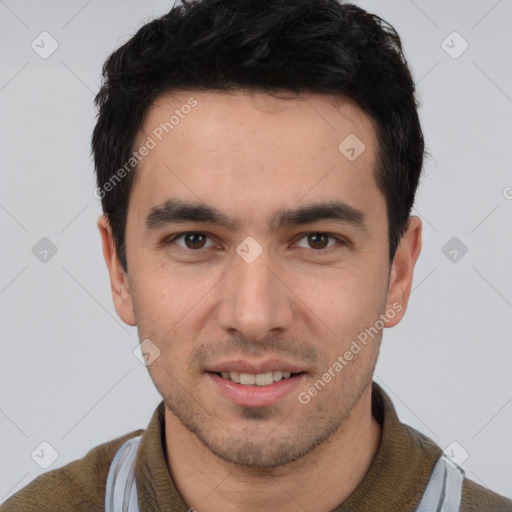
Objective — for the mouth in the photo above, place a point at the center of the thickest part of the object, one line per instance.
(247, 384)
(257, 379)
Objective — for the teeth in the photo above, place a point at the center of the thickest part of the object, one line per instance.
(277, 375)
(264, 379)
(258, 379)
(247, 378)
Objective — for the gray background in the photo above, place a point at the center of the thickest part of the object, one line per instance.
(68, 374)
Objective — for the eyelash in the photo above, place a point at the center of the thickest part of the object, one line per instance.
(170, 240)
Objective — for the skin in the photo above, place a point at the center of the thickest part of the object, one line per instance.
(249, 154)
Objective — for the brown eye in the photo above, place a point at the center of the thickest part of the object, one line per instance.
(318, 240)
(194, 240)
(322, 243)
(191, 240)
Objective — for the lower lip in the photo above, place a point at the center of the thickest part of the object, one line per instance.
(256, 396)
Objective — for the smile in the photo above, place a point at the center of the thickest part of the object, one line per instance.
(256, 379)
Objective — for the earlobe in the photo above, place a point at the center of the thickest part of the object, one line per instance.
(118, 278)
(402, 269)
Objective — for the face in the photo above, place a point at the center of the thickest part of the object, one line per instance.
(257, 259)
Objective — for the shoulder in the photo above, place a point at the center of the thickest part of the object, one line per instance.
(476, 498)
(77, 486)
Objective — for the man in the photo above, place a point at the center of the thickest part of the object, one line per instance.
(257, 164)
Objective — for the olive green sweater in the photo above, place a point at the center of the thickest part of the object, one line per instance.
(395, 481)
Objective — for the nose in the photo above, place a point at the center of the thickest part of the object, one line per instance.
(254, 299)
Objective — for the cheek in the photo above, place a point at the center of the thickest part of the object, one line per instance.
(163, 308)
(344, 299)
(168, 293)
(172, 305)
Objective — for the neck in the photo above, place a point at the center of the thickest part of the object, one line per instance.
(320, 481)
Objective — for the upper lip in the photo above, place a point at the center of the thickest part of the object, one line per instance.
(244, 366)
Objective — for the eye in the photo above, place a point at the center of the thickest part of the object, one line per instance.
(190, 240)
(319, 242)
(194, 241)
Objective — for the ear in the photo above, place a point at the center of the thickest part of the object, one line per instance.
(118, 277)
(400, 279)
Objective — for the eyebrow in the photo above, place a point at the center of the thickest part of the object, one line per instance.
(176, 210)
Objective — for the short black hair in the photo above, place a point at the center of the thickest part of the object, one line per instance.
(318, 46)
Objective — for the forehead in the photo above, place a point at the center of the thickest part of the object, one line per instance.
(255, 147)
(321, 119)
